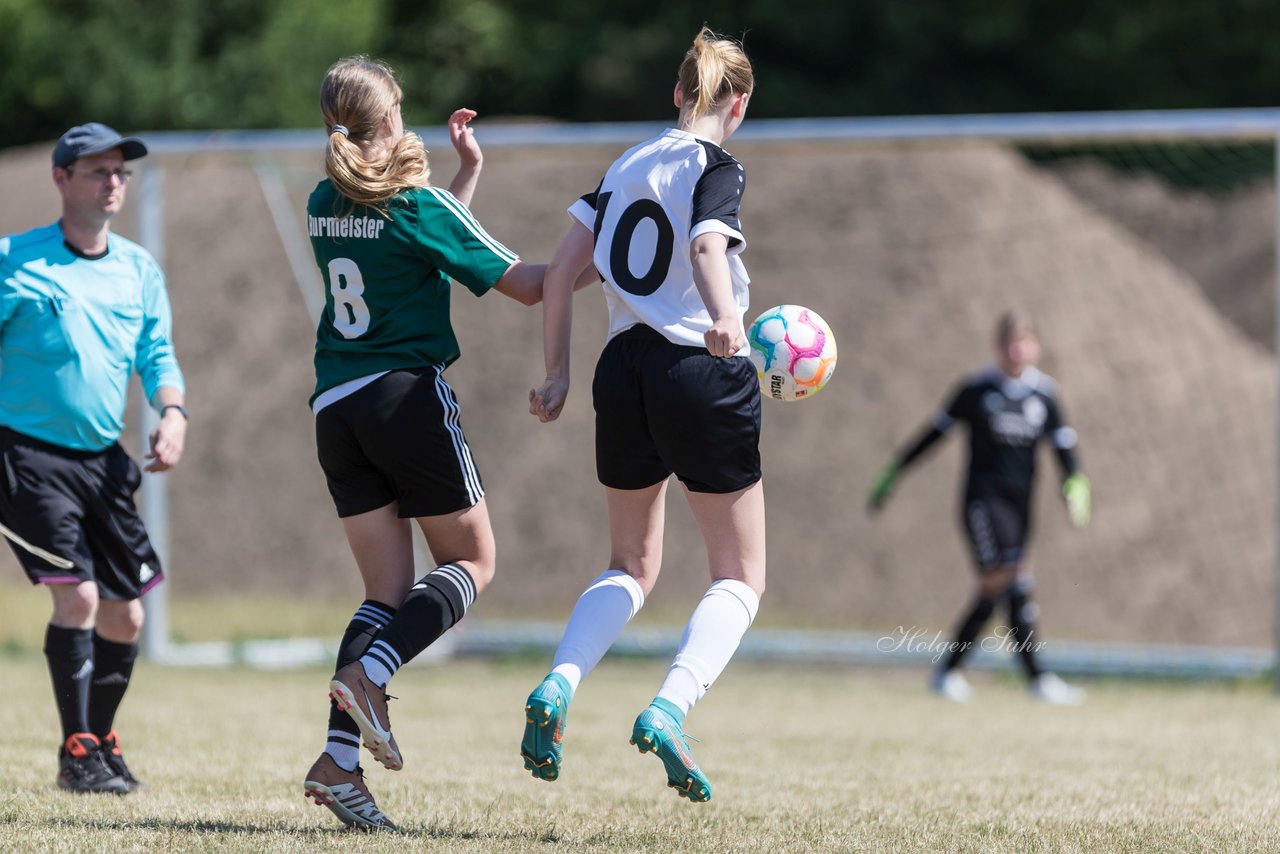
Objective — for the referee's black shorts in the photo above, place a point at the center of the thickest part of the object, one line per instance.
(998, 528)
(664, 408)
(398, 439)
(79, 506)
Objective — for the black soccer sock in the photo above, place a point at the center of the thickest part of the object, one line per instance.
(434, 605)
(112, 669)
(369, 619)
(70, 656)
(967, 631)
(1022, 617)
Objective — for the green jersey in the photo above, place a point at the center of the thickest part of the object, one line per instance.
(387, 279)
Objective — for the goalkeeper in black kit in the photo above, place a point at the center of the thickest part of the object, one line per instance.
(1008, 408)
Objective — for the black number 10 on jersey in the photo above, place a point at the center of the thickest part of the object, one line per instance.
(620, 245)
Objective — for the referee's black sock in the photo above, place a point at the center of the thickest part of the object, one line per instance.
(434, 604)
(70, 656)
(1022, 617)
(967, 631)
(112, 669)
(343, 741)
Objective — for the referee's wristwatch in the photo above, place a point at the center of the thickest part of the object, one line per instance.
(186, 416)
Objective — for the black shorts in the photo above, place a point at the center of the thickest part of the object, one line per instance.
(998, 529)
(664, 408)
(398, 439)
(77, 505)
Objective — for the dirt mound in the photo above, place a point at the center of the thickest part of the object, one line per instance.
(1225, 241)
(909, 252)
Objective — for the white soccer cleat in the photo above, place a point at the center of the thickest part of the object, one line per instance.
(951, 685)
(1049, 688)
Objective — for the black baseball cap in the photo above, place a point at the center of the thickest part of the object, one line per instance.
(95, 138)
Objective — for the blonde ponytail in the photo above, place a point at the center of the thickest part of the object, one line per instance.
(355, 99)
(712, 69)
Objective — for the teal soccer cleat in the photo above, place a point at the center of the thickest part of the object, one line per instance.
(659, 729)
(544, 713)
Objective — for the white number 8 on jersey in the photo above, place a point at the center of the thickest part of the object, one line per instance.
(350, 312)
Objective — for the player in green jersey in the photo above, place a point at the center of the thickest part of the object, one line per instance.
(387, 423)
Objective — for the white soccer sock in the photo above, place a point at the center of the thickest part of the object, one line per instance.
(600, 615)
(380, 663)
(710, 640)
(344, 748)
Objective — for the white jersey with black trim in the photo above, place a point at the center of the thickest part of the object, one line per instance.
(654, 200)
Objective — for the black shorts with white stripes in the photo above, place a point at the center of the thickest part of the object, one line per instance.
(398, 439)
(79, 506)
(664, 408)
(998, 529)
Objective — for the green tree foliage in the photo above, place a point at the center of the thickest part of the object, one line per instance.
(257, 63)
(178, 64)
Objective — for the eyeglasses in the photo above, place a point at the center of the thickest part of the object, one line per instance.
(102, 176)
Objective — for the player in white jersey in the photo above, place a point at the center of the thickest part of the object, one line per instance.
(674, 393)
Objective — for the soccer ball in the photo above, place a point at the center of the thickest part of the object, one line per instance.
(793, 350)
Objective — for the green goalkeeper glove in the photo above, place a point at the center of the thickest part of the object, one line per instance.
(883, 488)
(1079, 501)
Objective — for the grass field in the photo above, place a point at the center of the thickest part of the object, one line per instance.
(801, 760)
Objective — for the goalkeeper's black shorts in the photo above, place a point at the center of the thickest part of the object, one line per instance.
(998, 529)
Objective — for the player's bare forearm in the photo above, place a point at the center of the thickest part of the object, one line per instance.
(548, 399)
(589, 277)
(715, 285)
(569, 266)
(464, 183)
(522, 282)
(470, 156)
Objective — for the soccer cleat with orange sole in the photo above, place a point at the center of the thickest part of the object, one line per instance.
(545, 714)
(659, 729)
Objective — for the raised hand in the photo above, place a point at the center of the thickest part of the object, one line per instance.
(463, 138)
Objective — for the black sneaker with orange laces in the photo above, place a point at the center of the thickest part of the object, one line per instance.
(115, 761)
(82, 767)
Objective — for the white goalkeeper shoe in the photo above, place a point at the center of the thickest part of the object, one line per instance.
(951, 685)
(1049, 688)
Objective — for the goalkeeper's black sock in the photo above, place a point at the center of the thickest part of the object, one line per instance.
(112, 670)
(69, 653)
(967, 631)
(1022, 616)
(432, 607)
(343, 743)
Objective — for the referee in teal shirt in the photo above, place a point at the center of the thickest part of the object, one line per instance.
(80, 310)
